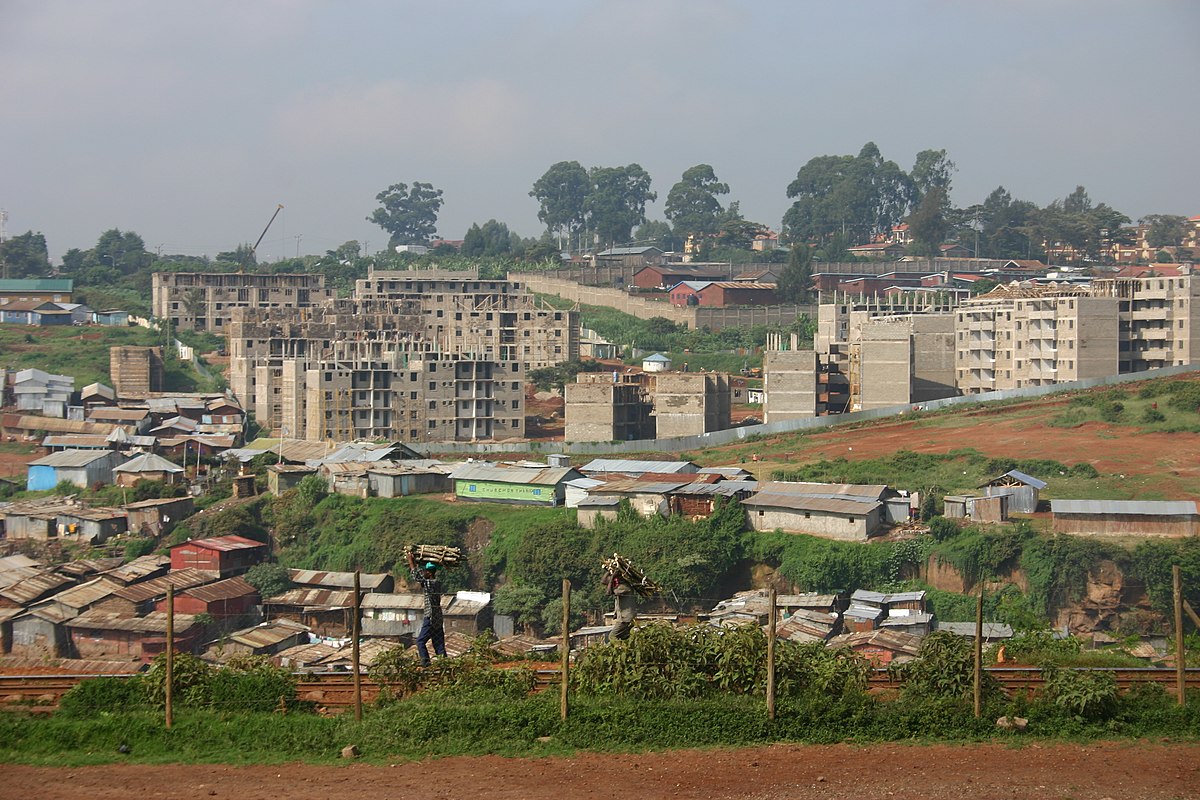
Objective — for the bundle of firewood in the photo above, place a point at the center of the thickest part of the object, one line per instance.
(437, 553)
(621, 567)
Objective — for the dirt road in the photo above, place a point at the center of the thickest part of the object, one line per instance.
(1128, 771)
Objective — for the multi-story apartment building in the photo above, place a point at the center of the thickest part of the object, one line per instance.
(205, 301)
(1034, 336)
(603, 406)
(1157, 322)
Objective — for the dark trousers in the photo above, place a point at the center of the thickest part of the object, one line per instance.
(431, 630)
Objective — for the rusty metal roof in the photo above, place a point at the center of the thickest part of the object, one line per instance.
(268, 634)
(223, 543)
(546, 476)
(151, 623)
(35, 588)
(141, 567)
(312, 599)
(227, 589)
(800, 502)
(157, 587)
(86, 594)
(337, 580)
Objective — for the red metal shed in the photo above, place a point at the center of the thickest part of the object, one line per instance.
(225, 555)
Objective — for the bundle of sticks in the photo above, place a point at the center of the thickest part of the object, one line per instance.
(621, 567)
(437, 553)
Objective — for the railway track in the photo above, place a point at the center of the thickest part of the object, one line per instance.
(337, 691)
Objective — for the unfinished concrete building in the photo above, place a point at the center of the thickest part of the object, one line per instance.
(1156, 319)
(604, 406)
(800, 383)
(205, 301)
(689, 403)
(495, 319)
(900, 359)
(135, 371)
(1018, 336)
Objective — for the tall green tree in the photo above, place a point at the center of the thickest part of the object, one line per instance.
(854, 196)
(562, 197)
(656, 233)
(24, 256)
(491, 239)
(692, 204)
(617, 201)
(932, 170)
(1006, 227)
(928, 224)
(409, 215)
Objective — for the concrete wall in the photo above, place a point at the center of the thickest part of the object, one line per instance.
(790, 383)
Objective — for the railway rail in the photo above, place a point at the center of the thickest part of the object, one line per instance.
(337, 690)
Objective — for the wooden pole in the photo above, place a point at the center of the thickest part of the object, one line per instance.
(979, 652)
(354, 635)
(1180, 660)
(1191, 612)
(563, 703)
(771, 657)
(170, 678)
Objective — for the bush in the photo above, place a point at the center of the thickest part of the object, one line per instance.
(944, 670)
(1153, 415)
(105, 693)
(942, 529)
(1112, 411)
(1085, 693)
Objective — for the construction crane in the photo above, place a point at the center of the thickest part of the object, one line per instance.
(252, 255)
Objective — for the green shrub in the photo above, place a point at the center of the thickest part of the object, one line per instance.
(105, 694)
(1112, 411)
(1088, 694)
(943, 670)
(1152, 415)
(942, 529)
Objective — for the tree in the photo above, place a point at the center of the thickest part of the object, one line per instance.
(795, 281)
(657, 233)
(409, 215)
(617, 201)
(1006, 226)
(1166, 230)
(932, 170)
(24, 256)
(856, 196)
(523, 603)
(562, 195)
(739, 233)
(928, 224)
(692, 205)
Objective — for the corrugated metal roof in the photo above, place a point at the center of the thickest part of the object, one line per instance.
(724, 488)
(268, 634)
(1138, 508)
(636, 486)
(991, 630)
(292, 449)
(157, 587)
(908, 619)
(312, 599)
(34, 588)
(850, 490)
(337, 580)
(636, 467)
(728, 472)
(1028, 480)
(139, 568)
(151, 623)
(800, 502)
(863, 612)
(111, 414)
(547, 476)
(224, 544)
(75, 458)
(227, 589)
(867, 596)
(88, 566)
(149, 462)
(86, 594)
(360, 451)
(599, 502)
(75, 441)
(302, 655)
(154, 503)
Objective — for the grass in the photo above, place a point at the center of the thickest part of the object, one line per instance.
(82, 352)
(479, 723)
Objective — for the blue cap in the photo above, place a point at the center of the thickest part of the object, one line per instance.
(430, 565)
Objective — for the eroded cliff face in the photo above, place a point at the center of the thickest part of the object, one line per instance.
(1110, 601)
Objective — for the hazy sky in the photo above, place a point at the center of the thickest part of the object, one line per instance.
(189, 122)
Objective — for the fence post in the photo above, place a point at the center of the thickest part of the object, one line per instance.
(771, 656)
(1180, 660)
(170, 677)
(979, 652)
(354, 635)
(563, 705)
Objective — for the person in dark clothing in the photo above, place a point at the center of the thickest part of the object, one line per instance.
(431, 626)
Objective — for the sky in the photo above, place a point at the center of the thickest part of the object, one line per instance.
(189, 123)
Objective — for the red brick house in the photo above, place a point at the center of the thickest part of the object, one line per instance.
(224, 555)
(664, 276)
(719, 294)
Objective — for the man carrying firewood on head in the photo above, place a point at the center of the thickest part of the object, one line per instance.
(431, 626)
(623, 603)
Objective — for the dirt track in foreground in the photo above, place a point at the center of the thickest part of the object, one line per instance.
(1125, 771)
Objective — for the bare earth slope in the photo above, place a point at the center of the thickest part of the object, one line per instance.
(1130, 771)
